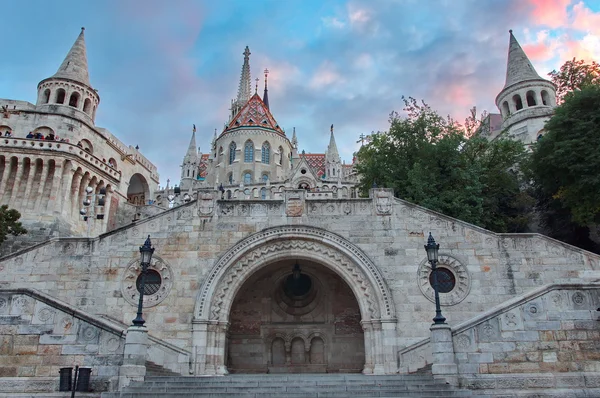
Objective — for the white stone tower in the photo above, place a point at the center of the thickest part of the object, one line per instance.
(527, 101)
(69, 91)
(191, 162)
(333, 162)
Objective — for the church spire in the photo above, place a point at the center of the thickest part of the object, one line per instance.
(266, 93)
(192, 152)
(332, 150)
(518, 66)
(75, 66)
(245, 88)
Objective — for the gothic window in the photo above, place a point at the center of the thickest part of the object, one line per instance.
(60, 96)
(281, 155)
(46, 98)
(545, 98)
(518, 102)
(220, 159)
(266, 153)
(530, 98)
(247, 178)
(230, 178)
(74, 100)
(265, 178)
(232, 148)
(249, 152)
(263, 193)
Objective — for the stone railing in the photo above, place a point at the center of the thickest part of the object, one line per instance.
(61, 147)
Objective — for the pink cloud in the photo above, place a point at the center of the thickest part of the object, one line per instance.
(585, 19)
(551, 13)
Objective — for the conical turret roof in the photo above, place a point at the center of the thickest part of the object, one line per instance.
(192, 152)
(75, 66)
(518, 66)
(332, 151)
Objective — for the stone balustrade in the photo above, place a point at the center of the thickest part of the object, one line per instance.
(61, 147)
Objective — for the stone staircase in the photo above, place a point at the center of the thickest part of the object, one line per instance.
(291, 386)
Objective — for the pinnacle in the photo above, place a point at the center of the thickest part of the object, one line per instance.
(74, 66)
(518, 67)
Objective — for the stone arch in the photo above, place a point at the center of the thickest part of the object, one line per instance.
(46, 96)
(5, 129)
(60, 96)
(545, 98)
(518, 102)
(530, 97)
(87, 106)
(74, 99)
(505, 109)
(303, 242)
(86, 145)
(138, 191)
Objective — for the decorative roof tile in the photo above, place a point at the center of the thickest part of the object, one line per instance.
(255, 114)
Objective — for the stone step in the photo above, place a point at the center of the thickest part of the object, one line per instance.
(364, 394)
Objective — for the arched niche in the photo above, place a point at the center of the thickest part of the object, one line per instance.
(138, 191)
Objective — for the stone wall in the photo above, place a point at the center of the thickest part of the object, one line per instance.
(385, 234)
(552, 330)
(39, 335)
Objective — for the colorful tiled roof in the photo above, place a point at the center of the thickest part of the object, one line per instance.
(254, 113)
(203, 167)
(316, 161)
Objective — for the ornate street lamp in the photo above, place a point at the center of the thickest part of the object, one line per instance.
(432, 249)
(146, 252)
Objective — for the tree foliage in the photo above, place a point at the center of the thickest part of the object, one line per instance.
(428, 160)
(574, 75)
(566, 160)
(9, 223)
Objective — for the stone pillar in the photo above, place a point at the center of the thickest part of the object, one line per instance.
(221, 343)
(55, 192)
(134, 356)
(390, 347)
(444, 366)
(200, 342)
(367, 331)
(378, 366)
(17, 182)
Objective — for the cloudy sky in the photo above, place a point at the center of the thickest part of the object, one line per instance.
(161, 66)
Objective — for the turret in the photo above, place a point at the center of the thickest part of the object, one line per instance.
(191, 162)
(526, 102)
(333, 163)
(69, 91)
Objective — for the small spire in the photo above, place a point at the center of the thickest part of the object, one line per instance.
(332, 151)
(294, 139)
(266, 93)
(75, 66)
(518, 66)
(256, 86)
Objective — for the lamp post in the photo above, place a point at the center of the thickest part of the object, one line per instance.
(432, 249)
(146, 252)
(89, 211)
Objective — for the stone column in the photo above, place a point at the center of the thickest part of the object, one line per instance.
(199, 343)
(221, 343)
(27, 199)
(17, 182)
(134, 356)
(378, 366)
(390, 347)
(444, 365)
(367, 328)
(55, 192)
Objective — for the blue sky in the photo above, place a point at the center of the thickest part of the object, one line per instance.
(162, 66)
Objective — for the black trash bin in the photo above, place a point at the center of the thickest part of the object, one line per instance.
(66, 375)
(83, 379)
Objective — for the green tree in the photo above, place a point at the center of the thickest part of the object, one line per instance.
(574, 75)
(9, 223)
(428, 160)
(565, 161)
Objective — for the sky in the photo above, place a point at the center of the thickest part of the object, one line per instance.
(162, 66)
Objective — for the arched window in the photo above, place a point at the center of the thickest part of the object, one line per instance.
(505, 108)
(220, 158)
(232, 148)
(518, 102)
(112, 163)
(266, 153)
(281, 155)
(74, 100)
(87, 106)
(228, 194)
(263, 193)
(530, 98)
(545, 98)
(265, 178)
(60, 96)
(249, 152)
(247, 178)
(230, 178)
(46, 97)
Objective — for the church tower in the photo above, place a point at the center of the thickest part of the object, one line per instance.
(527, 101)
(191, 162)
(69, 91)
(333, 163)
